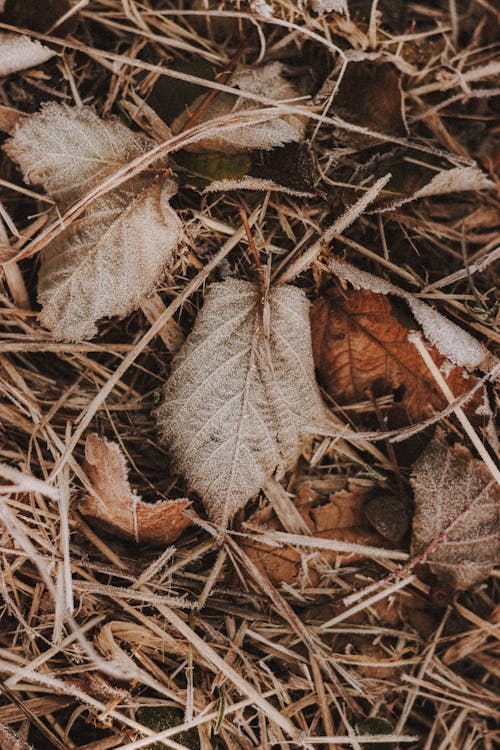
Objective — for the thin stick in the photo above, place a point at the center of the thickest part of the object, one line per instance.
(416, 340)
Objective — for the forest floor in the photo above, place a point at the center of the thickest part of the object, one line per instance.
(341, 158)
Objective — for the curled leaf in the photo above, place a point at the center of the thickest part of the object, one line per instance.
(20, 52)
(452, 341)
(117, 508)
(457, 513)
(264, 81)
(107, 260)
(239, 404)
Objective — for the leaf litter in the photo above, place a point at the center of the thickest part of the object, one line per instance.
(315, 618)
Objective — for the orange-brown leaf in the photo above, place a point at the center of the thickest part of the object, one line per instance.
(341, 518)
(116, 508)
(359, 344)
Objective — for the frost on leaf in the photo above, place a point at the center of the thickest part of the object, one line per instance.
(19, 52)
(117, 508)
(330, 6)
(457, 502)
(266, 81)
(104, 263)
(70, 150)
(238, 406)
(107, 260)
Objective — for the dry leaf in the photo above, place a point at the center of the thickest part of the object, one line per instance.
(238, 404)
(370, 95)
(330, 6)
(20, 52)
(117, 508)
(415, 175)
(106, 261)
(359, 344)
(452, 341)
(341, 518)
(453, 489)
(70, 150)
(264, 81)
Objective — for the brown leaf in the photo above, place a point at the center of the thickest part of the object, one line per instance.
(359, 344)
(457, 513)
(118, 509)
(341, 518)
(370, 95)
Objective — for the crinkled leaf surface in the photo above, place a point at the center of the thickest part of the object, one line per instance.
(238, 405)
(70, 150)
(20, 52)
(107, 260)
(265, 81)
(453, 489)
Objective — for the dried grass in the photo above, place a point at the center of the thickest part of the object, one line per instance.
(93, 630)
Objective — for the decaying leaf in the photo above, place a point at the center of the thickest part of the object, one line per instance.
(370, 95)
(117, 508)
(341, 518)
(452, 341)
(106, 261)
(457, 505)
(20, 52)
(359, 344)
(265, 81)
(239, 404)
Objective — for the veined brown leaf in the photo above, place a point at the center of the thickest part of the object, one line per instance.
(457, 505)
(265, 81)
(239, 404)
(105, 262)
(118, 509)
(359, 344)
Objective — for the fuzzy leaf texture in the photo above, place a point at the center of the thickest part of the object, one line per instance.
(265, 81)
(455, 492)
(107, 260)
(238, 406)
(20, 52)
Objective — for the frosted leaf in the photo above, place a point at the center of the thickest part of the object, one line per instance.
(107, 260)
(330, 6)
(252, 183)
(457, 494)
(20, 52)
(104, 263)
(265, 81)
(238, 405)
(451, 340)
(70, 150)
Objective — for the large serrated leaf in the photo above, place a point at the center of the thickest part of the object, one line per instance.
(238, 405)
